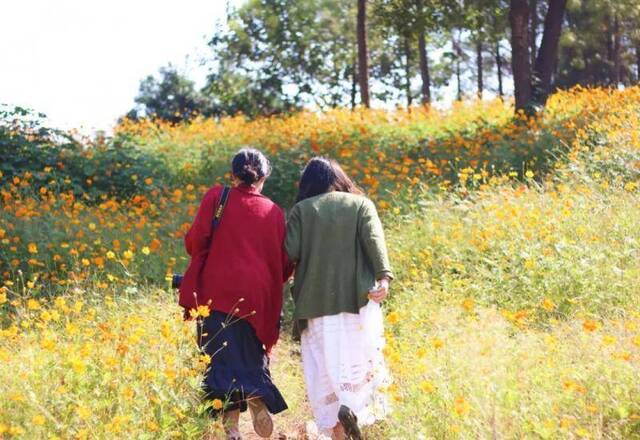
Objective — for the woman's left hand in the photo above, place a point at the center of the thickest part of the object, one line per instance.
(380, 292)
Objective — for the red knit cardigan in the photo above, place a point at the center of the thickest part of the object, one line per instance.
(246, 265)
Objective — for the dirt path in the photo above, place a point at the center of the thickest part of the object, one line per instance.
(286, 370)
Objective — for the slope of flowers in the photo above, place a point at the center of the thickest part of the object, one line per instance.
(389, 152)
(515, 313)
(59, 240)
(80, 367)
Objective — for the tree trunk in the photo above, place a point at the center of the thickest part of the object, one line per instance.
(354, 83)
(533, 30)
(458, 52)
(407, 71)
(499, 68)
(638, 63)
(424, 68)
(616, 52)
(548, 53)
(519, 21)
(479, 67)
(363, 62)
(609, 44)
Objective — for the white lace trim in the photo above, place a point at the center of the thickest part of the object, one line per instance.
(344, 365)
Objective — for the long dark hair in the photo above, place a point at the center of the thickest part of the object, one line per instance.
(250, 165)
(322, 175)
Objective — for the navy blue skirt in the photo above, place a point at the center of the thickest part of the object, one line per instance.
(239, 368)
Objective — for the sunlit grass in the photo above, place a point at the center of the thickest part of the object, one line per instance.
(515, 313)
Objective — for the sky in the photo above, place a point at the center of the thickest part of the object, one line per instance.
(81, 61)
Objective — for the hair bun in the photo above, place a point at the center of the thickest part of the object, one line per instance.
(250, 174)
(250, 165)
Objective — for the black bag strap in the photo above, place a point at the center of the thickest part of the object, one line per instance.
(220, 209)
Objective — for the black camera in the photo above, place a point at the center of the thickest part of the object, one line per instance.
(176, 280)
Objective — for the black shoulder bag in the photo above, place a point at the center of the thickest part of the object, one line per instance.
(176, 280)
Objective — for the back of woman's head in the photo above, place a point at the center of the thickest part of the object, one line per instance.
(250, 166)
(322, 175)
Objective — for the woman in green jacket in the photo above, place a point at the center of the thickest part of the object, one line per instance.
(342, 274)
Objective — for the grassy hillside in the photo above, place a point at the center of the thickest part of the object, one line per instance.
(515, 314)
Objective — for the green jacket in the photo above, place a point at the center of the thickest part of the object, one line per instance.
(337, 242)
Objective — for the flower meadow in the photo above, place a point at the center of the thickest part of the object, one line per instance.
(515, 312)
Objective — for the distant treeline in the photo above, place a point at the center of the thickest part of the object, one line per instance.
(274, 56)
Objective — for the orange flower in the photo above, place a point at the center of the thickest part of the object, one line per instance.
(217, 404)
(468, 304)
(590, 325)
(155, 245)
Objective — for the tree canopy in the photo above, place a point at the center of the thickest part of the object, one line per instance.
(274, 56)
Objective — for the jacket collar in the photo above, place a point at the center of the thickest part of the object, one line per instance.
(250, 189)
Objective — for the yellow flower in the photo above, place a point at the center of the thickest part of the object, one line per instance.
(582, 432)
(45, 316)
(127, 254)
(60, 302)
(33, 304)
(32, 248)
(77, 306)
(3, 297)
(427, 387)
(548, 305)
(393, 317)
(146, 250)
(78, 366)
(111, 255)
(622, 355)
(86, 262)
(461, 406)
(83, 412)
(15, 430)
(203, 311)
(128, 393)
(38, 420)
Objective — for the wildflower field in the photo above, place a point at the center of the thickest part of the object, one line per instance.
(515, 313)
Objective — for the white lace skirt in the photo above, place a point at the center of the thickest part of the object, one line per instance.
(344, 365)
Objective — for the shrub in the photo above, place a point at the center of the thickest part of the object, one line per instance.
(33, 157)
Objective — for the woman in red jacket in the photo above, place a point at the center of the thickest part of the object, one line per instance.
(238, 273)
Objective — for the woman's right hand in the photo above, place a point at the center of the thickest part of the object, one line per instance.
(380, 291)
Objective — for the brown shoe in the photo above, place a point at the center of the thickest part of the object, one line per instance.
(349, 422)
(262, 423)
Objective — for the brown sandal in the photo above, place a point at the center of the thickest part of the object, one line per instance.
(262, 422)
